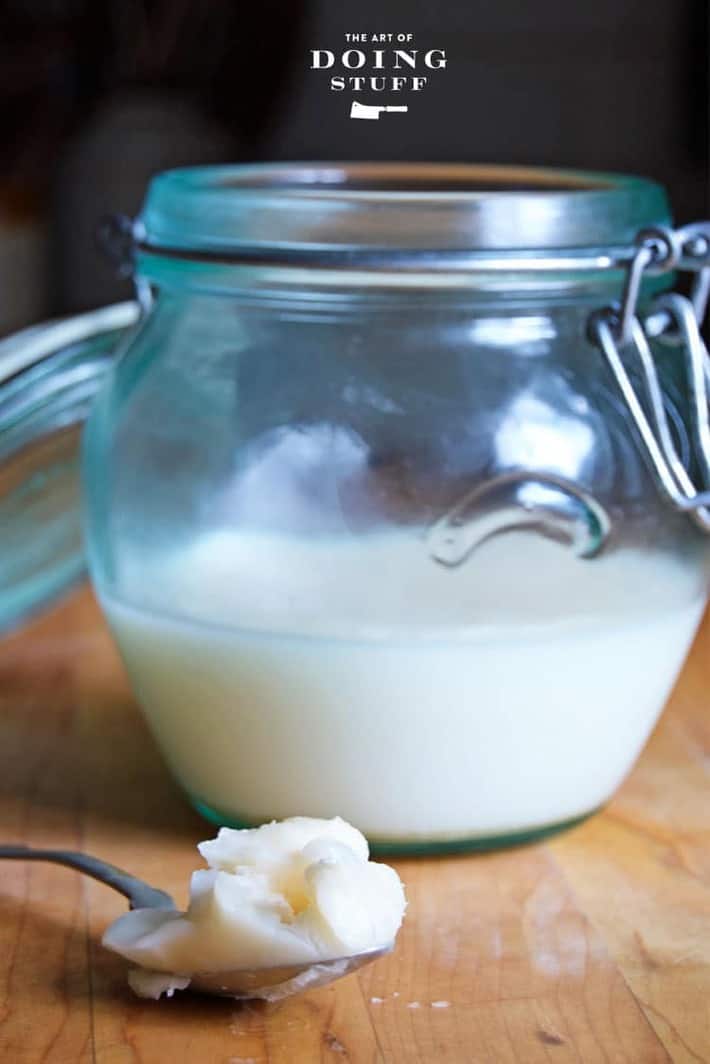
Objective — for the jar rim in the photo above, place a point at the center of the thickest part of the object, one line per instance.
(386, 212)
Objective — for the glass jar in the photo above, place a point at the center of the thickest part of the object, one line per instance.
(370, 510)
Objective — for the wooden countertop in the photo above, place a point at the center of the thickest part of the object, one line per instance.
(593, 946)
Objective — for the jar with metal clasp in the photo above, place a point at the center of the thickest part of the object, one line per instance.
(395, 487)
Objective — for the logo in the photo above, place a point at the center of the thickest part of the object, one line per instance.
(392, 66)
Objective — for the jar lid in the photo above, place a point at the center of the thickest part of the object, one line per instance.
(357, 209)
(49, 375)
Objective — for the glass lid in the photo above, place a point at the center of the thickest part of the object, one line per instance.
(49, 375)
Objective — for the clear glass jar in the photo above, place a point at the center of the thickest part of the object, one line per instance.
(366, 513)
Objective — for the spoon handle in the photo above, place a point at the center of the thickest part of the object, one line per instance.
(140, 895)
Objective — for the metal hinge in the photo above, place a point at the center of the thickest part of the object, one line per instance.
(623, 336)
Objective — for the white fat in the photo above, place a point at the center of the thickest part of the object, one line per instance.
(298, 891)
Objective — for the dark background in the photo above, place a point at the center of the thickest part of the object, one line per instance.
(95, 96)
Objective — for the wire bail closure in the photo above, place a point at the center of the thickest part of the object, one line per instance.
(624, 337)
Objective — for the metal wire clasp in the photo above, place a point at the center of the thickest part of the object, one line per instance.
(672, 318)
(649, 413)
(657, 250)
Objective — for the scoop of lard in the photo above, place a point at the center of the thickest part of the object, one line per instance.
(298, 891)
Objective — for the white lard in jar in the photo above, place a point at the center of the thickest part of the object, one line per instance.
(361, 679)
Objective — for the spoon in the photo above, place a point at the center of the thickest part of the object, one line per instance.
(271, 983)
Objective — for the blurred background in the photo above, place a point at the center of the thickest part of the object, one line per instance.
(97, 95)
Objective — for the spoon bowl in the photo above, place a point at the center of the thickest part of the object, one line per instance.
(278, 982)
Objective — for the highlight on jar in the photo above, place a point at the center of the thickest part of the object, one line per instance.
(392, 496)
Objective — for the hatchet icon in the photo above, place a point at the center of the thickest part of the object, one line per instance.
(363, 110)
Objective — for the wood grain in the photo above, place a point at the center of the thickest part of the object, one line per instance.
(594, 946)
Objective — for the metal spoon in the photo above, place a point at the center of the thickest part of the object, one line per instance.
(271, 983)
